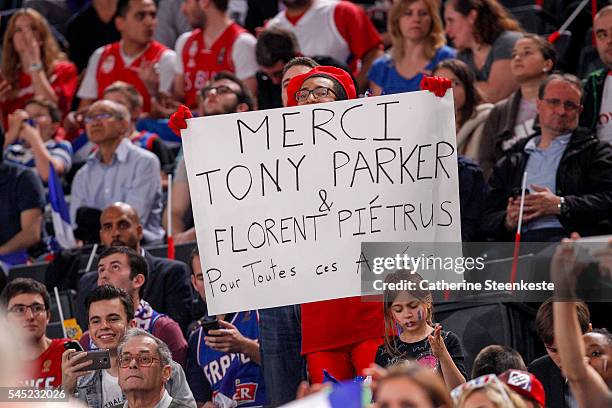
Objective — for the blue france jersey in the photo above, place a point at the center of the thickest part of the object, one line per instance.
(233, 375)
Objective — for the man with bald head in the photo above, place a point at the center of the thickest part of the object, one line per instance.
(118, 170)
(167, 287)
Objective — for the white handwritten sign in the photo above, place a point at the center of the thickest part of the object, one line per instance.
(283, 198)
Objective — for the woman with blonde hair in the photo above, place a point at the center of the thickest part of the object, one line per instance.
(486, 391)
(418, 45)
(33, 65)
(409, 384)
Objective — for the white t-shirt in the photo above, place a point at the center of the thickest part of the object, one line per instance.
(243, 55)
(89, 86)
(111, 393)
(604, 121)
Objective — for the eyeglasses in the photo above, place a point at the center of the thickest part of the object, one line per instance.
(98, 117)
(219, 90)
(20, 310)
(143, 360)
(479, 382)
(321, 92)
(567, 105)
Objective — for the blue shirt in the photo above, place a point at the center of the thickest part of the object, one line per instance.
(132, 177)
(541, 169)
(233, 375)
(384, 74)
(19, 154)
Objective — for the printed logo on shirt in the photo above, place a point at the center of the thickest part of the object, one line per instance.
(427, 361)
(113, 402)
(44, 382)
(46, 366)
(108, 64)
(216, 369)
(245, 393)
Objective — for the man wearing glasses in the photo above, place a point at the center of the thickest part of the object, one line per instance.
(224, 94)
(27, 304)
(144, 370)
(569, 174)
(111, 314)
(118, 170)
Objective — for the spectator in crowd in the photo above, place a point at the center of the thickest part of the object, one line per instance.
(28, 309)
(171, 22)
(418, 338)
(224, 94)
(297, 66)
(22, 200)
(411, 385)
(118, 171)
(216, 44)
(527, 386)
(512, 119)
(484, 33)
(487, 391)
(111, 314)
(136, 58)
(470, 111)
(32, 139)
(124, 268)
(128, 96)
(548, 368)
(586, 383)
(496, 359)
(340, 335)
(258, 12)
(597, 114)
(144, 370)
(223, 363)
(598, 346)
(167, 285)
(275, 48)
(418, 45)
(33, 65)
(96, 17)
(569, 174)
(340, 30)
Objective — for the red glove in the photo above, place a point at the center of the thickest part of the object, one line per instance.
(177, 120)
(437, 85)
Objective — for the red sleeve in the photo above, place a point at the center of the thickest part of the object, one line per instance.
(65, 84)
(168, 331)
(356, 28)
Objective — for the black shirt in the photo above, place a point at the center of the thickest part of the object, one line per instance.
(20, 189)
(80, 39)
(421, 352)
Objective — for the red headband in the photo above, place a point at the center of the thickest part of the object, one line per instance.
(340, 75)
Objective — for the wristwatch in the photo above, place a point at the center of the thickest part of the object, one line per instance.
(563, 210)
(37, 66)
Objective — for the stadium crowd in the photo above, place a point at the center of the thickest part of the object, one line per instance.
(93, 95)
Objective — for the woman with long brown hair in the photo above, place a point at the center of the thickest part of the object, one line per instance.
(418, 44)
(33, 65)
(484, 33)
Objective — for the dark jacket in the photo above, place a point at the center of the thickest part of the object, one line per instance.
(555, 386)
(584, 178)
(167, 290)
(471, 196)
(591, 101)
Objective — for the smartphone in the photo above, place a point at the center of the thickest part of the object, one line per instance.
(210, 323)
(516, 192)
(30, 122)
(73, 345)
(101, 359)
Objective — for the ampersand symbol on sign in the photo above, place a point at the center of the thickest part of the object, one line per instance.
(324, 206)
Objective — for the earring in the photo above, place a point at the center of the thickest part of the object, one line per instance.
(544, 70)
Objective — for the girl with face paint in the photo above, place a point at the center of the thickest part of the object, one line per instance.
(411, 334)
